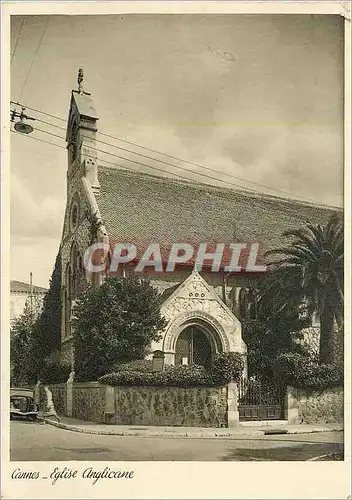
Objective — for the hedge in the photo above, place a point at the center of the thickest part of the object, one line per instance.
(226, 367)
(303, 373)
(138, 365)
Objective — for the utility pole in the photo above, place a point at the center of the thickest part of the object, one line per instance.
(31, 294)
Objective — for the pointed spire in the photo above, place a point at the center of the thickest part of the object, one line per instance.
(80, 78)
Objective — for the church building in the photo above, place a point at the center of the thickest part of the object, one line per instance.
(204, 310)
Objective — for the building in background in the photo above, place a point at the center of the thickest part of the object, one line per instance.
(20, 292)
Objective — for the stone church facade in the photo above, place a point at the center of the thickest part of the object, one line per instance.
(204, 310)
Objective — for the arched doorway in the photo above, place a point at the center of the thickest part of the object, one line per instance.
(193, 346)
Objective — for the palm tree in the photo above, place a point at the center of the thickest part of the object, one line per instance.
(310, 269)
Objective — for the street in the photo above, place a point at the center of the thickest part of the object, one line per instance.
(35, 441)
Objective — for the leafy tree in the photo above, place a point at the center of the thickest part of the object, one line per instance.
(114, 323)
(310, 268)
(267, 339)
(21, 338)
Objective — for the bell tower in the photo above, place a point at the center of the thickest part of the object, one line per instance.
(81, 137)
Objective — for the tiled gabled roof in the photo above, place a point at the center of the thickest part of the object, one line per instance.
(140, 208)
(21, 287)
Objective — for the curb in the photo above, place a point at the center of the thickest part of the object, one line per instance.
(321, 458)
(172, 435)
(316, 459)
(180, 434)
(338, 428)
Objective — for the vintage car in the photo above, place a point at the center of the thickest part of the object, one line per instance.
(22, 404)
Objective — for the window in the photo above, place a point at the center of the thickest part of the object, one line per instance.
(248, 303)
(243, 299)
(74, 143)
(77, 273)
(74, 216)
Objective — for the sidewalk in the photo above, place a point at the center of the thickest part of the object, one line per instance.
(240, 432)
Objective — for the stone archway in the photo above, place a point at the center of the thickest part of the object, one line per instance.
(196, 343)
(195, 303)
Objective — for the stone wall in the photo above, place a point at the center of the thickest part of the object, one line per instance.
(171, 406)
(89, 401)
(59, 398)
(311, 338)
(187, 407)
(166, 406)
(315, 407)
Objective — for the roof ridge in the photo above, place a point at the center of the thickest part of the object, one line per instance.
(218, 189)
(26, 285)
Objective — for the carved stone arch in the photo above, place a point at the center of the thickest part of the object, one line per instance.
(209, 323)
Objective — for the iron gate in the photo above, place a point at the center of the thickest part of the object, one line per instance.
(259, 401)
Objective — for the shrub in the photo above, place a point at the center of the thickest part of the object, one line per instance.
(227, 367)
(302, 373)
(138, 365)
(55, 372)
(173, 376)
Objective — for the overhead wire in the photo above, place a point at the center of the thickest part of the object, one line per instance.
(174, 157)
(292, 212)
(102, 159)
(18, 38)
(121, 157)
(34, 57)
(40, 140)
(153, 167)
(149, 157)
(193, 172)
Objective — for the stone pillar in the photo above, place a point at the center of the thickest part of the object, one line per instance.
(291, 406)
(236, 301)
(169, 358)
(109, 414)
(233, 416)
(37, 394)
(69, 394)
(245, 368)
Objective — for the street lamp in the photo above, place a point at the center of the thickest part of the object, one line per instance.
(21, 126)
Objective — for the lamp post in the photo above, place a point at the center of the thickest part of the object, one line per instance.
(21, 126)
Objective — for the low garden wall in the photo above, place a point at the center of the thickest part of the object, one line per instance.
(172, 406)
(321, 407)
(315, 407)
(183, 406)
(88, 401)
(169, 406)
(59, 398)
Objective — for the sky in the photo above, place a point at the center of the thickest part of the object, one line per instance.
(255, 97)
